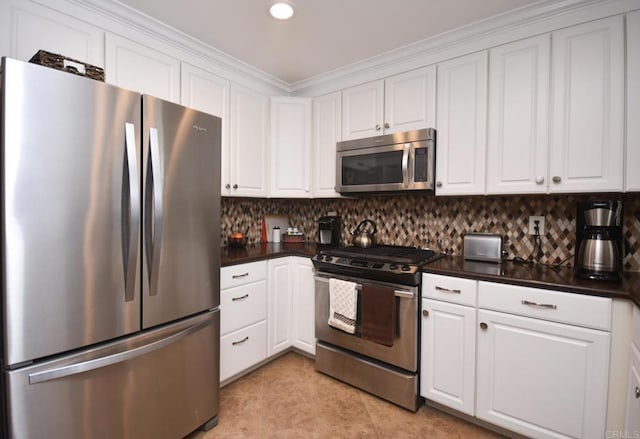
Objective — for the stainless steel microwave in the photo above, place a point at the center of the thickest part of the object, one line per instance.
(391, 163)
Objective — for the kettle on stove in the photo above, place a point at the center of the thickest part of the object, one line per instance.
(363, 238)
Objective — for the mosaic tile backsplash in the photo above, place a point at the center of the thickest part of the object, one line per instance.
(439, 223)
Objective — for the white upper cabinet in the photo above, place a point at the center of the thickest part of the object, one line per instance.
(290, 147)
(207, 92)
(632, 174)
(410, 100)
(327, 114)
(34, 27)
(362, 110)
(248, 140)
(140, 68)
(402, 102)
(587, 81)
(461, 116)
(518, 141)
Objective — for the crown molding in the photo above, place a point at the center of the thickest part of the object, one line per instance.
(541, 17)
(118, 12)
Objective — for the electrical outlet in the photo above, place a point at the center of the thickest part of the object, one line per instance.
(532, 225)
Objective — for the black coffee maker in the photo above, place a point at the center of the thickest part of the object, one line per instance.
(329, 230)
(599, 240)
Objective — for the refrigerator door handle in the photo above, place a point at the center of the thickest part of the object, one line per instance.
(153, 238)
(131, 222)
(97, 363)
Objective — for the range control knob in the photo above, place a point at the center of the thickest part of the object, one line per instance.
(406, 268)
(393, 266)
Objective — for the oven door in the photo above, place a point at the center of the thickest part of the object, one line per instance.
(402, 354)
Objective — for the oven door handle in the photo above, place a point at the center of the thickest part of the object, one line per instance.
(403, 294)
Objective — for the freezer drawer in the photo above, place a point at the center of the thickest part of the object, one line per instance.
(161, 384)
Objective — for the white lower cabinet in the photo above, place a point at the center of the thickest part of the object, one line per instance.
(632, 423)
(242, 349)
(304, 333)
(291, 305)
(266, 307)
(448, 351)
(279, 305)
(529, 360)
(541, 379)
(243, 317)
(536, 376)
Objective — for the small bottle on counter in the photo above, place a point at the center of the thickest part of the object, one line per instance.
(275, 237)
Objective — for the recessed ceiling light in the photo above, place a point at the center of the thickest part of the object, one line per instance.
(281, 10)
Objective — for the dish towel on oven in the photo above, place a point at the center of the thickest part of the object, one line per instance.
(378, 314)
(343, 305)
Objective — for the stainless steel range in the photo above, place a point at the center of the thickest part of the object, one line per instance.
(377, 349)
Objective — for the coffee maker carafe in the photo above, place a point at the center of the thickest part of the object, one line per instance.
(599, 240)
(329, 230)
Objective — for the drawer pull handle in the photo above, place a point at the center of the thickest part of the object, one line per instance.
(540, 305)
(637, 392)
(241, 341)
(425, 313)
(447, 290)
(238, 276)
(235, 299)
(483, 326)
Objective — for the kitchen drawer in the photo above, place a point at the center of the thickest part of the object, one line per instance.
(449, 289)
(242, 349)
(574, 309)
(241, 306)
(635, 327)
(235, 275)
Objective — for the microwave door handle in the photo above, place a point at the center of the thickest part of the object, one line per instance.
(405, 165)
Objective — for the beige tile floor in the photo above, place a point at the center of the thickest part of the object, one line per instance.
(287, 398)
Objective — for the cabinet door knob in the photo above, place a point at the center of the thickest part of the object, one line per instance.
(235, 186)
(386, 125)
(306, 189)
(227, 186)
(438, 184)
(539, 179)
(425, 313)
(637, 392)
(483, 326)
(378, 127)
(557, 179)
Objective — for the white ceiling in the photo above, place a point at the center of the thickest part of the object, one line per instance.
(323, 35)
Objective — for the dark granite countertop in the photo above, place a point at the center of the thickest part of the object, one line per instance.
(538, 276)
(260, 252)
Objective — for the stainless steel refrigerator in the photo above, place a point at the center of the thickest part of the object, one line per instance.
(110, 260)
